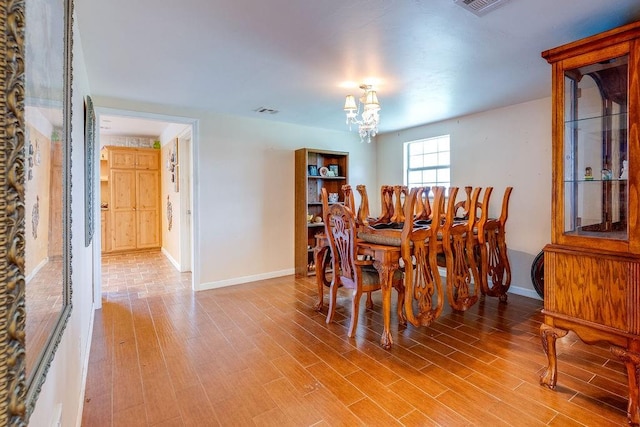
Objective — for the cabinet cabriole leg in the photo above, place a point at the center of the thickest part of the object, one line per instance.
(631, 361)
(549, 335)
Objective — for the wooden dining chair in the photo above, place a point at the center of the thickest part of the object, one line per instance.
(422, 209)
(492, 254)
(354, 274)
(458, 240)
(461, 208)
(363, 209)
(349, 199)
(424, 294)
(387, 206)
(400, 195)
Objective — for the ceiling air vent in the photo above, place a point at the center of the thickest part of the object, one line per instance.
(265, 110)
(480, 7)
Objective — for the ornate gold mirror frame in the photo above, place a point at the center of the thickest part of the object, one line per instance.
(19, 388)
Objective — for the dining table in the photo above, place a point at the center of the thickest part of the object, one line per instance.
(424, 247)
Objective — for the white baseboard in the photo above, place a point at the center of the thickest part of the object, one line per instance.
(516, 290)
(170, 258)
(244, 279)
(85, 368)
(525, 292)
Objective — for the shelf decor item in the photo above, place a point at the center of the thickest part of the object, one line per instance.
(335, 169)
(313, 170)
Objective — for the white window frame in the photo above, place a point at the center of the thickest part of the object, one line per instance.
(441, 141)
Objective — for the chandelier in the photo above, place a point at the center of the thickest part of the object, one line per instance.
(369, 119)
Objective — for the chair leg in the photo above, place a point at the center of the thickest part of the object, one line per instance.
(355, 312)
(402, 319)
(333, 297)
(369, 301)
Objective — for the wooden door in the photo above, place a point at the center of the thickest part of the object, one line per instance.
(147, 209)
(123, 209)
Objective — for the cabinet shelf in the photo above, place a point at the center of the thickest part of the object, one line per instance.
(327, 177)
(594, 120)
(575, 181)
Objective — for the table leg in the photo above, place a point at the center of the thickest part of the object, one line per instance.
(386, 271)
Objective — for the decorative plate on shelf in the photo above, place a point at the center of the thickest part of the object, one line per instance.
(324, 171)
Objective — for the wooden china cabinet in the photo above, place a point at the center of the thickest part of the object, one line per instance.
(592, 266)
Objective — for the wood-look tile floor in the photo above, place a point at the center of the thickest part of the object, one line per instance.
(259, 355)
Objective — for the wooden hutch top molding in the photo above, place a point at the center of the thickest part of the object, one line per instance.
(593, 43)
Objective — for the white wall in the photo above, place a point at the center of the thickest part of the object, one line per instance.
(170, 237)
(64, 384)
(505, 147)
(244, 189)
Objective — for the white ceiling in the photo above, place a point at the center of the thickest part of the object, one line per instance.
(429, 59)
(131, 126)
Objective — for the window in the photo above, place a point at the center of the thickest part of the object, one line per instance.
(427, 162)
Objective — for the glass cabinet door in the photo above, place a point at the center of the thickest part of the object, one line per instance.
(596, 149)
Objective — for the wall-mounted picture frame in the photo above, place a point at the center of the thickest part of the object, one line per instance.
(176, 181)
(313, 170)
(89, 169)
(173, 165)
(335, 169)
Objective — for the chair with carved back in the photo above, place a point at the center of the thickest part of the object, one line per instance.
(458, 242)
(424, 293)
(462, 207)
(386, 204)
(359, 276)
(400, 194)
(363, 210)
(349, 200)
(422, 208)
(492, 250)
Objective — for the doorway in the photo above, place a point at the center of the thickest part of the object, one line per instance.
(118, 128)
